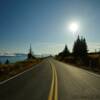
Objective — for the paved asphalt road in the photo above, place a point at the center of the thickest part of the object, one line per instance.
(73, 83)
(32, 85)
(76, 84)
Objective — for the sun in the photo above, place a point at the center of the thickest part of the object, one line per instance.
(74, 27)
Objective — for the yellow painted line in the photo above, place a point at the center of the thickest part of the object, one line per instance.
(53, 94)
(50, 97)
(56, 86)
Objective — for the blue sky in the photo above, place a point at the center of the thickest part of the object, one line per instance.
(44, 24)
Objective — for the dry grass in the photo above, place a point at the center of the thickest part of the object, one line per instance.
(9, 70)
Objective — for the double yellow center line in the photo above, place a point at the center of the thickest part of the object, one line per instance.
(53, 94)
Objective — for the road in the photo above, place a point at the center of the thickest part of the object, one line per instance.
(76, 84)
(52, 80)
(31, 85)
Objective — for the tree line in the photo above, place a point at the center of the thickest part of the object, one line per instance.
(79, 51)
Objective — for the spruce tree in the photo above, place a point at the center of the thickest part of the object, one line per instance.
(65, 52)
(30, 55)
(80, 48)
(7, 61)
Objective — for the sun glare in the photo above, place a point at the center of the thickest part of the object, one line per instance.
(74, 27)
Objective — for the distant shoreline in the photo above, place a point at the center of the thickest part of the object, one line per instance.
(12, 59)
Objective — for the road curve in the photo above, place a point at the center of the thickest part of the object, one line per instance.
(69, 82)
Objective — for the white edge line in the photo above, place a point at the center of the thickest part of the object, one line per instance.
(33, 66)
(89, 72)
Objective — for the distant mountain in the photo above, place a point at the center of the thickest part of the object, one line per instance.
(7, 54)
(23, 54)
(20, 54)
(12, 54)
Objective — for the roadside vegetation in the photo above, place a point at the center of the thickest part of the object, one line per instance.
(80, 56)
(8, 69)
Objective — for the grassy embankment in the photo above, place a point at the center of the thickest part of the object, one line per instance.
(9, 70)
(93, 62)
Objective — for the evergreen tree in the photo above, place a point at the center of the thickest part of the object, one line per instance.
(77, 47)
(80, 48)
(30, 54)
(65, 52)
(84, 47)
(7, 61)
(0, 62)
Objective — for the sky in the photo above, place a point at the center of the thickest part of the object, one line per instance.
(44, 24)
